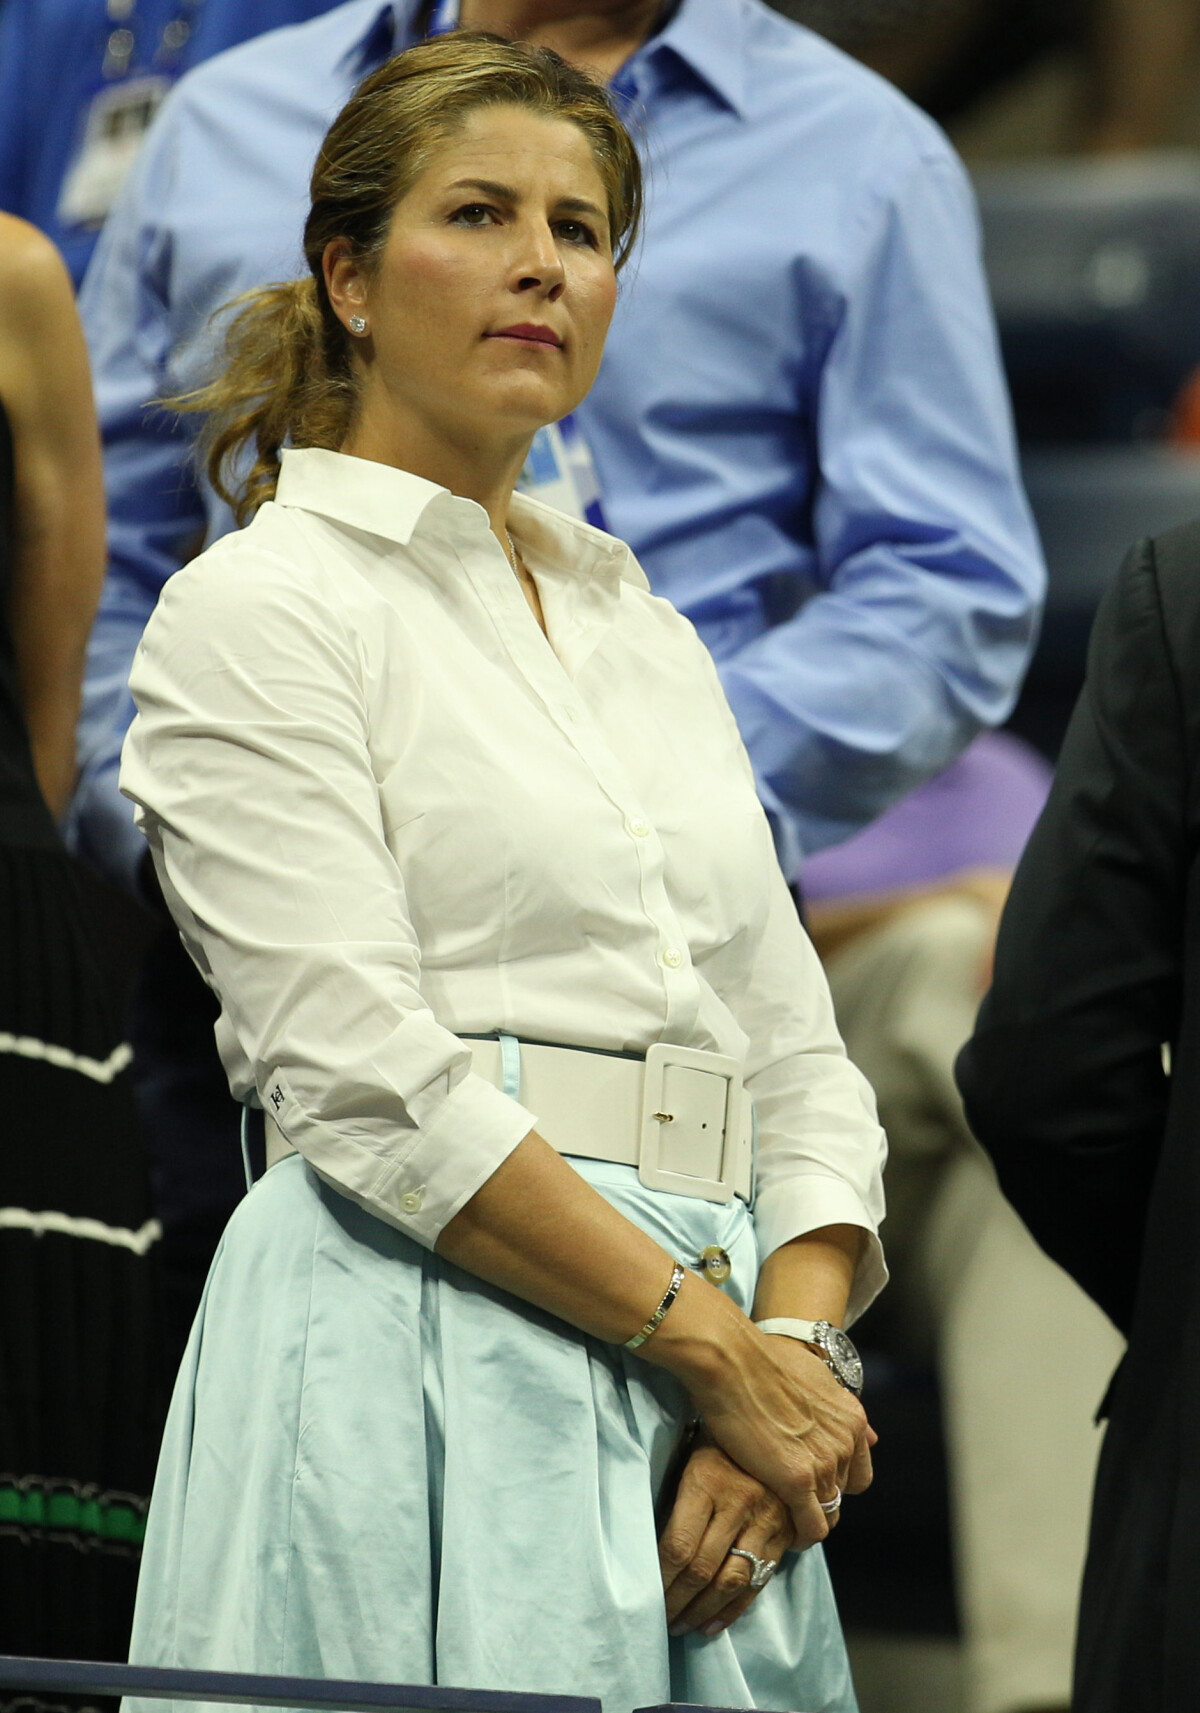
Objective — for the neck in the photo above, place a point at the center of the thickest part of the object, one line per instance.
(597, 37)
(485, 473)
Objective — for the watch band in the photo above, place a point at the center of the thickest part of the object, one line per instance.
(825, 1340)
(804, 1330)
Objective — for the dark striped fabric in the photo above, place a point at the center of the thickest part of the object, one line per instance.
(80, 1389)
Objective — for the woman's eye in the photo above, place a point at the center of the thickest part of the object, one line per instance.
(575, 232)
(474, 214)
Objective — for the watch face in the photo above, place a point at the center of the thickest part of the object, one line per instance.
(845, 1360)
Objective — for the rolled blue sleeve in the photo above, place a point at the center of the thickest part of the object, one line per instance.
(928, 575)
(156, 510)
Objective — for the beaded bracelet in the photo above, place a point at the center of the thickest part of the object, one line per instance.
(656, 1319)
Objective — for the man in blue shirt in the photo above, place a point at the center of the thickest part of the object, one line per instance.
(800, 424)
(79, 82)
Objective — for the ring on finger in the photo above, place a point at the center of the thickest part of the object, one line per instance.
(829, 1506)
(761, 1569)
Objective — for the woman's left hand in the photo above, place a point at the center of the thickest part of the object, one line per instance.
(718, 1506)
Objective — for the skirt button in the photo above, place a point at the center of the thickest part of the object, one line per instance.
(715, 1264)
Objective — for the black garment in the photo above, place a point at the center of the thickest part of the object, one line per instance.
(80, 1382)
(191, 1123)
(1097, 968)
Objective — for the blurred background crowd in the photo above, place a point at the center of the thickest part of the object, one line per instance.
(1079, 121)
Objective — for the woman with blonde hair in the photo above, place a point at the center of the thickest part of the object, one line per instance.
(453, 816)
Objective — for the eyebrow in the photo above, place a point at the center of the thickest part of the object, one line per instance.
(505, 193)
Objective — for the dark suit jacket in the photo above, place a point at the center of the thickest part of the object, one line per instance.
(1097, 1146)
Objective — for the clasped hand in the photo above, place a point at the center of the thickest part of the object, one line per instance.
(804, 1436)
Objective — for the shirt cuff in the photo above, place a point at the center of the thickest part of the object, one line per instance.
(806, 1203)
(420, 1185)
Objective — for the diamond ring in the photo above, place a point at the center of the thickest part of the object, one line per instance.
(829, 1506)
(761, 1569)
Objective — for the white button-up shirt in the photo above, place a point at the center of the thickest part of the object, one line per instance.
(386, 810)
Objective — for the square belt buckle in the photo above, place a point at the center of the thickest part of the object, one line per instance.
(691, 1122)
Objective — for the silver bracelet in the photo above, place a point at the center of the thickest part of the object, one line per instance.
(656, 1319)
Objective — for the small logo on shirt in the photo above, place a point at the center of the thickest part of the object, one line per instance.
(276, 1097)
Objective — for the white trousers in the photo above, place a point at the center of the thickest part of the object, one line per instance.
(1023, 1355)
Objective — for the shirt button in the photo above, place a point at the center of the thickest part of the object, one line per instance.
(639, 828)
(672, 958)
(412, 1202)
(714, 1262)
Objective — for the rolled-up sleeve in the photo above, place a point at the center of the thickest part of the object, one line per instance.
(250, 767)
(820, 1149)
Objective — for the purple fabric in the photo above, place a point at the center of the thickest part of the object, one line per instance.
(977, 813)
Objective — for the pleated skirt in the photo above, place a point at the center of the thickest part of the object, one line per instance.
(378, 1467)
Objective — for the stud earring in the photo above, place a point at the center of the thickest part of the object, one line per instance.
(357, 324)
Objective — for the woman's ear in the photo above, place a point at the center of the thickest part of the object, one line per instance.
(345, 281)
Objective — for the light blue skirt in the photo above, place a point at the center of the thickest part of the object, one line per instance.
(378, 1467)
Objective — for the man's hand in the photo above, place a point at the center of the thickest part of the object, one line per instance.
(717, 1506)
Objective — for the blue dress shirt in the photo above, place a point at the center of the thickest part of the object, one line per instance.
(52, 54)
(800, 424)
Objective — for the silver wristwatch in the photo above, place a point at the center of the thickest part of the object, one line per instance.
(830, 1343)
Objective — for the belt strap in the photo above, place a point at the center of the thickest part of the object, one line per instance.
(681, 1117)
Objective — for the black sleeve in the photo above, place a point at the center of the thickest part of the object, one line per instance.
(1063, 1080)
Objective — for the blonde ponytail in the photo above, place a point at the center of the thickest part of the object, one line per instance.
(285, 379)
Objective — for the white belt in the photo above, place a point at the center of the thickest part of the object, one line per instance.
(680, 1116)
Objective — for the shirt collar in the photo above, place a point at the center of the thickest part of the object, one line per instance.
(394, 504)
(378, 31)
(709, 37)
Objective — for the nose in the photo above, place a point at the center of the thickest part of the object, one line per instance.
(538, 266)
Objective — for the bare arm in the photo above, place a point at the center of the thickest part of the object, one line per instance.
(780, 1433)
(59, 561)
(833, 923)
(720, 1505)
(536, 1228)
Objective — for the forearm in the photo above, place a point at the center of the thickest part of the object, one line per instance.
(536, 1228)
(834, 924)
(811, 1277)
(58, 540)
